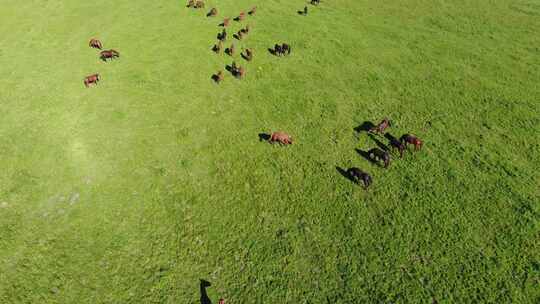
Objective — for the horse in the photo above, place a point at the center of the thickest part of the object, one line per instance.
(217, 47)
(94, 43)
(358, 175)
(378, 154)
(278, 50)
(286, 49)
(199, 4)
(413, 140)
(248, 56)
(240, 17)
(230, 50)
(104, 55)
(218, 77)
(281, 137)
(383, 125)
(91, 79)
(222, 36)
(252, 11)
(225, 22)
(212, 13)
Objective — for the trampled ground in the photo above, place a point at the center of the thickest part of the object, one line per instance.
(133, 190)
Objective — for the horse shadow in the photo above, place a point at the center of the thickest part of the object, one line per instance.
(264, 137)
(379, 143)
(235, 36)
(366, 126)
(204, 295)
(244, 57)
(229, 51)
(344, 173)
(366, 155)
(272, 51)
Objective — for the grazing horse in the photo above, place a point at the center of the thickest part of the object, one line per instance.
(199, 4)
(358, 175)
(218, 77)
(245, 30)
(378, 154)
(383, 125)
(252, 11)
(217, 47)
(104, 55)
(281, 137)
(248, 56)
(94, 43)
(277, 50)
(212, 13)
(413, 140)
(91, 79)
(225, 22)
(240, 17)
(286, 49)
(315, 2)
(222, 36)
(191, 3)
(239, 35)
(230, 50)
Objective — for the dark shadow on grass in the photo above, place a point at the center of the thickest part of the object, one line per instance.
(365, 126)
(215, 78)
(366, 155)
(264, 137)
(272, 51)
(244, 57)
(204, 296)
(379, 143)
(344, 173)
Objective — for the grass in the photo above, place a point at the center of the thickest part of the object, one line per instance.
(132, 191)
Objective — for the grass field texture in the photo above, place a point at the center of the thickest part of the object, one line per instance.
(133, 190)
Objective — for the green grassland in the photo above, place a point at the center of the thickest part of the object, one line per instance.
(133, 190)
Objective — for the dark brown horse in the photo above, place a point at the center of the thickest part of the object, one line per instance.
(383, 125)
(358, 175)
(92, 79)
(104, 55)
(248, 55)
(281, 137)
(94, 43)
(380, 155)
(230, 50)
(413, 140)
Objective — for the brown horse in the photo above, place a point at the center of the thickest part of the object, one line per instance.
(218, 77)
(217, 47)
(225, 22)
(199, 4)
(240, 17)
(104, 55)
(383, 125)
(358, 175)
(94, 43)
(230, 50)
(281, 137)
(92, 79)
(413, 140)
(378, 154)
(248, 54)
(212, 13)
(191, 3)
(252, 11)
